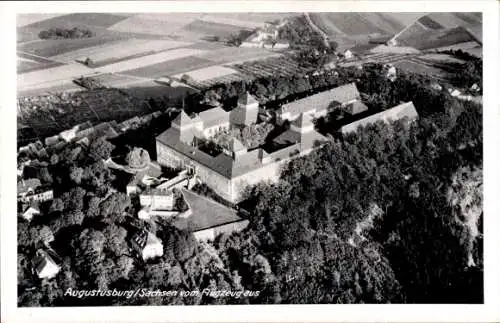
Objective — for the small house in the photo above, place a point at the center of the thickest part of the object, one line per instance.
(147, 245)
(45, 265)
(29, 210)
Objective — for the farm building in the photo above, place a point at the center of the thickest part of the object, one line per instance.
(317, 105)
(147, 245)
(208, 218)
(404, 110)
(228, 172)
(45, 265)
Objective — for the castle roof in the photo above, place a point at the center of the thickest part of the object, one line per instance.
(182, 120)
(247, 99)
(213, 117)
(206, 213)
(304, 120)
(321, 101)
(398, 112)
(144, 238)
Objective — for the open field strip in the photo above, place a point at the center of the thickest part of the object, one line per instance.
(170, 67)
(149, 60)
(64, 72)
(54, 47)
(120, 49)
(220, 19)
(236, 55)
(212, 29)
(155, 23)
(207, 73)
(50, 87)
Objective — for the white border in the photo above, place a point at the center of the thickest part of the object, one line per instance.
(262, 313)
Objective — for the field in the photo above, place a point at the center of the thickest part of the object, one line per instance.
(436, 38)
(116, 50)
(54, 47)
(204, 74)
(472, 48)
(170, 67)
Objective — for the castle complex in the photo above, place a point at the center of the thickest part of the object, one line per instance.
(231, 170)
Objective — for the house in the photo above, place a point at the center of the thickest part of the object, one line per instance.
(319, 104)
(45, 265)
(208, 219)
(27, 186)
(229, 171)
(266, 37)
(30, 190)
(404, 110)
(246, 111)
(147, 245)
(348, 54)
(49, 141)
(29, 210)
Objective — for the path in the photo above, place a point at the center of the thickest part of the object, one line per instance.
(317, 29)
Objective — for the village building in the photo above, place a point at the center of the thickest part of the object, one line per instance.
(320, 104)
(45, 265)
(229, 171)
(30, 190)
(266, 37)
(405, 110)
(29, 210)
(208, 219)
(147, 245)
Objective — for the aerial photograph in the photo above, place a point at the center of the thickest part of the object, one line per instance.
(249, 158)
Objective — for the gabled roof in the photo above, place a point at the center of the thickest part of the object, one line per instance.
(236, 145)
(398, 112)
(42, 260)
(33, 204)
(182, 119)
(321, 101)
(24, 185)
(304, 120)
(247, 99)
(206, 213)
(144, 238)
(213, 117)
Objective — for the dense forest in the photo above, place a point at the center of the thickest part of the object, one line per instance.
(389, 214)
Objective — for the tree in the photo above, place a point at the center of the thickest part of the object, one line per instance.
(46, 235)
(101, 148)
(75, 174)
(138, 158)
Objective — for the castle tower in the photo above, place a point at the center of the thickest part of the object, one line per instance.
(246, 112)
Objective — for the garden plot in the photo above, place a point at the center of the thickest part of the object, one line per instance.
(136, 63)
(120, 49)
